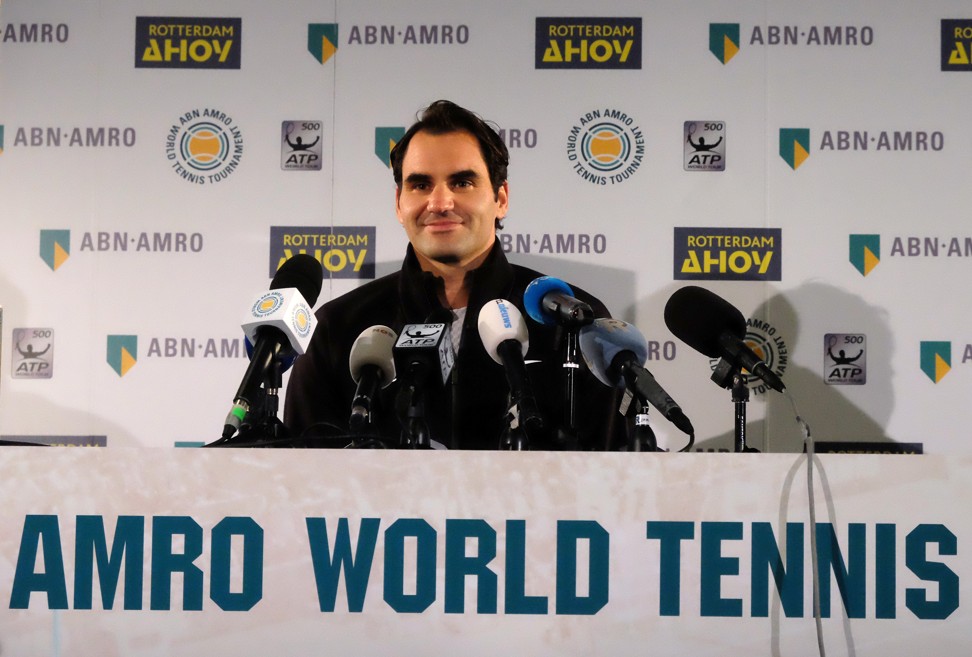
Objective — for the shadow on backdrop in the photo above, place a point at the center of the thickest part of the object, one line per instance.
(838, 408)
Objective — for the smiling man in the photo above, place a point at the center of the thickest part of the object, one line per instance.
(449, 207)
(450, 171)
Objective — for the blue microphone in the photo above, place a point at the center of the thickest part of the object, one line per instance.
(614, 351)
(550, 301)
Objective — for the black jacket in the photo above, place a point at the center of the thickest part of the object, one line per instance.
(470, 411)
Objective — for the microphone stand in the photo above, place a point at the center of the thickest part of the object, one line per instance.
(567, 435)
(641, 438)
(514, 435)
(415, 430)
(262, 426)
(732, 378)
(523, 419)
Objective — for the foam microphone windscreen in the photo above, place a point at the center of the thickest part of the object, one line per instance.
(698, 317)
(303, 272)
(499, 321)
(603, 340)
(374, 347)
(535, 292)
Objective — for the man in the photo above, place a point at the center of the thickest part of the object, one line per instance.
(450, 170)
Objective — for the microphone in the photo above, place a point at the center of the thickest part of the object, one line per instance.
(506, 338)
(422, 352)
(550, 301)
(713, 326)
(279, 323)
(423, 349)
(614, 351)
(372, 367)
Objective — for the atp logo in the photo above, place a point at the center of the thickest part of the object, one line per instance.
(794, 146)
(865, 252)
(322, 40)
(724, 40)
(385, 140)
(936, 359)
(55, 247)
(122, 353)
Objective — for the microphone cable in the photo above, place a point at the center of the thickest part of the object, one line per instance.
(815, 577)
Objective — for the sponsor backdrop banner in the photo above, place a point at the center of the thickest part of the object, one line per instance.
(808, 162)
(348, 552)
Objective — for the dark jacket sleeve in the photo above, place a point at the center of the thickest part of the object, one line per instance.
(311, 406)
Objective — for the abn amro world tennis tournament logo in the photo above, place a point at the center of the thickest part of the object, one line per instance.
(205, 146)
(606, 147)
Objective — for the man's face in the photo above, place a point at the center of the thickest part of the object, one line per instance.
(446, 203)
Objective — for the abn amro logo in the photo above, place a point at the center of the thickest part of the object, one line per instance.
(322, 40)
(936, 359)
(794, 146)
(55, 247)
(865, 252)
(724, 40)
(385, 140)
(122, 353)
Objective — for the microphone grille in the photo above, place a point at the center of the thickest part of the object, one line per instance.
(303, 272)
(698, 317)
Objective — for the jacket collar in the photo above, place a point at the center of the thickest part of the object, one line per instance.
(419, 290)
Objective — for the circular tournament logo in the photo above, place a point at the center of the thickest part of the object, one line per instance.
(764, 339)
(205, 146)
(605, 147)
(267, 304)
(302, 320)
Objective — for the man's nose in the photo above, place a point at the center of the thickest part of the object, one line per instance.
(441, 199)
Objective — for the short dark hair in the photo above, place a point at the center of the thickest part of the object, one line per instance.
(443, 117)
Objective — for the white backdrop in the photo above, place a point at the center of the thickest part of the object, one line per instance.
(90, 136)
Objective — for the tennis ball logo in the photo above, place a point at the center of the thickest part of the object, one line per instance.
(205, 146)
(267, 304)
(302, 321)
(606, 147)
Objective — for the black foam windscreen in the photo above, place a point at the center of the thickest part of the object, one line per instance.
(698, 317)
(303, 272)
